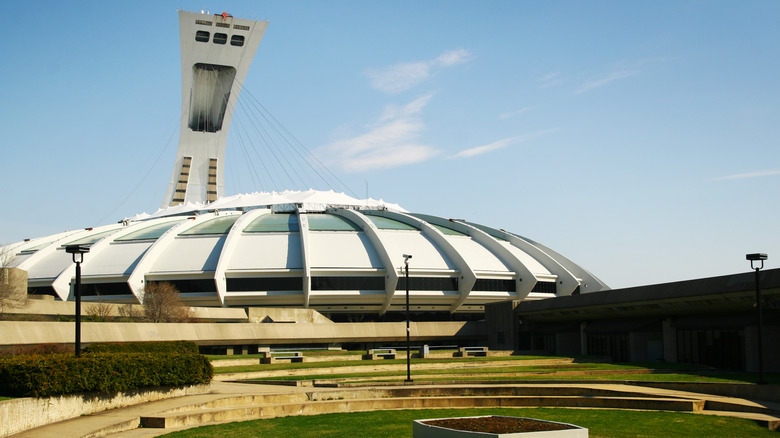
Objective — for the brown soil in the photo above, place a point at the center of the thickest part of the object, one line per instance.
(497, 424)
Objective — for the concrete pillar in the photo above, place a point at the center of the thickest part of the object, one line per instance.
(669, 340)
(751, 349)
(13, 286)
(583, 338)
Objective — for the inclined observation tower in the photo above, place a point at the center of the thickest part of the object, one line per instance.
(216, 52)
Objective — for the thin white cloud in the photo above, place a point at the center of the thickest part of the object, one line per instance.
(600, 82)
(452, 57)
(515, 113)
(549, 80)
(500, 144)
(392, 141)
(757, 174)
(405, 75)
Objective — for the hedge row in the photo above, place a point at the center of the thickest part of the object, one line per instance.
(181, 347)
(57, 374)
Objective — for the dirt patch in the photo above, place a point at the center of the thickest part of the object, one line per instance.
(495, 424)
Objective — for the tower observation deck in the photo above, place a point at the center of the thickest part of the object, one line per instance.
(216, 52)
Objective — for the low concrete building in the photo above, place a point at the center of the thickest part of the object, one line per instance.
(709, 321)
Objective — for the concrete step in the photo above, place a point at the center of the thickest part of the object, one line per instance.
(454, 391)
(772, 422)
(240, 413)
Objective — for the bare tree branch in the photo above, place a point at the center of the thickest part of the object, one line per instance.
(163, 304)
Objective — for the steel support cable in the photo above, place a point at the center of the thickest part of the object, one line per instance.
(272, 152)
(272, 179)
(248, 158)
(143, 178)
(297, 146)
(286, 162)
(257, 127)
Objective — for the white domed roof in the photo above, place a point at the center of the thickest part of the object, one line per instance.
(316, 249)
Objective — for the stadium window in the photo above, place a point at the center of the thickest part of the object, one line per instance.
(237, 40)
(220, 38)
(243, 284)
(347, 283)
(202, 36)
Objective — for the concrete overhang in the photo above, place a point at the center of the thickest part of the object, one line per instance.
(729, 293)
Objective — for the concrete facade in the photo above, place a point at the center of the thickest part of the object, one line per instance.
(224, 334)
(13, 287)
(709, 321)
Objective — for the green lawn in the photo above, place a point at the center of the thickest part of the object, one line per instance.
(581, 368)
(395, 424)
(358, 363)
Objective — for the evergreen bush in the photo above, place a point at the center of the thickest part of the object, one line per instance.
(182, 347)
(58, 374)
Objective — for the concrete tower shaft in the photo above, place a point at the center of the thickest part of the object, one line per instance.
(216, 52)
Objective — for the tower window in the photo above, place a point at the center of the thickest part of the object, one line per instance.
(220, 38)
(209, 96)
(237, 40)
(202, 36)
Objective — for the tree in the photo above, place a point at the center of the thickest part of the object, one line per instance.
(12, 293)
(162, 303)
(99, 311)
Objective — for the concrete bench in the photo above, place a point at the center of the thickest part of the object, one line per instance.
(283, 356)
(381, 353)
(473, 351)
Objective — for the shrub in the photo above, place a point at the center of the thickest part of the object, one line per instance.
(181, 347)
(57, 374)
(162, 303)
(15, 350)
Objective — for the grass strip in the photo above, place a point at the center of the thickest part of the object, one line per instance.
(606, 423)
(369, 363)
(548, 369)
(419, 377)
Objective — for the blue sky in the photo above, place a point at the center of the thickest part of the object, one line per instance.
(639, 139)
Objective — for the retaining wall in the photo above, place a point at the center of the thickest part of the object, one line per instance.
(21, 414)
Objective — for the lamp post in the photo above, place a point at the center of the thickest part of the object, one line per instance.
(408, 332)
(759, 257)
(78, 252)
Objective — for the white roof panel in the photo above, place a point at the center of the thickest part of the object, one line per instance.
(477, 256)
(426, 255)
(118, 259)
(531, 263)
(190, 254)
(51, 266)
(264, 251)
(354, 251)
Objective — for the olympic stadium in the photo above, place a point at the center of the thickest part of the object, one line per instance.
(313, 249)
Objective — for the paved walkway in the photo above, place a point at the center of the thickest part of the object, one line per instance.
(85, 425)
(100, 424)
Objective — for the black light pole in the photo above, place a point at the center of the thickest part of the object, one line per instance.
(759, 257)
(408, 332)
(78, 252)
